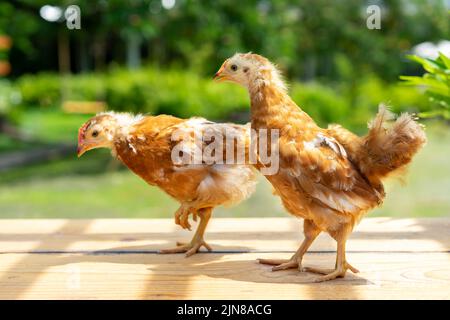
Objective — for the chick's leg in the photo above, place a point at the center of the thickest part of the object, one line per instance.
(311, 232)
(341, 265)
(197, 241)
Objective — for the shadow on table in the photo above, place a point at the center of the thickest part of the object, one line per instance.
(219, 264)
(215, 265)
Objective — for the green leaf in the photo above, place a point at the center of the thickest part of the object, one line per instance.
(429, 65)
(445, 60)
(435, 113)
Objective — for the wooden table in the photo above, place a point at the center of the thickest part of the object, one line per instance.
(117, 259)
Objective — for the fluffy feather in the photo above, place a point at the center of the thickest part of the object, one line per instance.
(387, 149)
(330, 177)
(144, 144)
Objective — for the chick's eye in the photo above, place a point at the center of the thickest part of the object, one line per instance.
(234, 67)
(95, 133)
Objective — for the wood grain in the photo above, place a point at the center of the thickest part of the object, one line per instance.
(224, 234)
(116, 259)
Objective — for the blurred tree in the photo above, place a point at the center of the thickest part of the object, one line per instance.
(5, 87)
(305, 37)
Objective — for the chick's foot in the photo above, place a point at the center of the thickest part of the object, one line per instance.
(190, 248)
(330, 274)
(283, 264)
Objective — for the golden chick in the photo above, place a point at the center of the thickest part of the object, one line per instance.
(146, 145)
(329, 177)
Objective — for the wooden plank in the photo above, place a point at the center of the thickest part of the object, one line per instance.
(224, 234)
(219, 276)
(87, 107)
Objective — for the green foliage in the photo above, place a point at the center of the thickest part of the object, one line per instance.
(303, 36)
(147, 90)
(41, 90)
(322, 103)
(5, 96)
(352, 105)
(9, 99)
(436, 82)
(125, 91)
(51, 126)
(185, 94)
(87, 87)
(174, 92)
(371, 91)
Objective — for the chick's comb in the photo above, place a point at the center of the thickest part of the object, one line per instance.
(82, 132)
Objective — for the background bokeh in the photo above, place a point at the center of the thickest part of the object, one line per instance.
(159, 56)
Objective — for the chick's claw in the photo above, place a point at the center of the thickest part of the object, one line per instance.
(184, 221)
(287, 265)
(189, 248)
(196, 247)
(182, 217)
(331, 276)
(282, 264)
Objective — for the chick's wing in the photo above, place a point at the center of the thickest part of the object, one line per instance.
(321, 169)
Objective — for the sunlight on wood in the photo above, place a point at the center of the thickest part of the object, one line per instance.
(398, 259)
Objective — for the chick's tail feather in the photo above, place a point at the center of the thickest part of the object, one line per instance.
(390, 145)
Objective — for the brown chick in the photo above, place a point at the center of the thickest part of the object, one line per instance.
(329, 177)
(145, 144)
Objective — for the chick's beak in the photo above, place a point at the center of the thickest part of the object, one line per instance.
(81, 150)
(83, 147)
(219, 76)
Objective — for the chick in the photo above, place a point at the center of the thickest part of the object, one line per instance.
(329, 177)
(155, 147)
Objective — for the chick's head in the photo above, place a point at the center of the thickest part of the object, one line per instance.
(247, 69)
(97, 132)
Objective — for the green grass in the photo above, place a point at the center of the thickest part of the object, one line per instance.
(8, 145)
(53, 126)
(82, 188)
(95, 186)
(45, 127)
